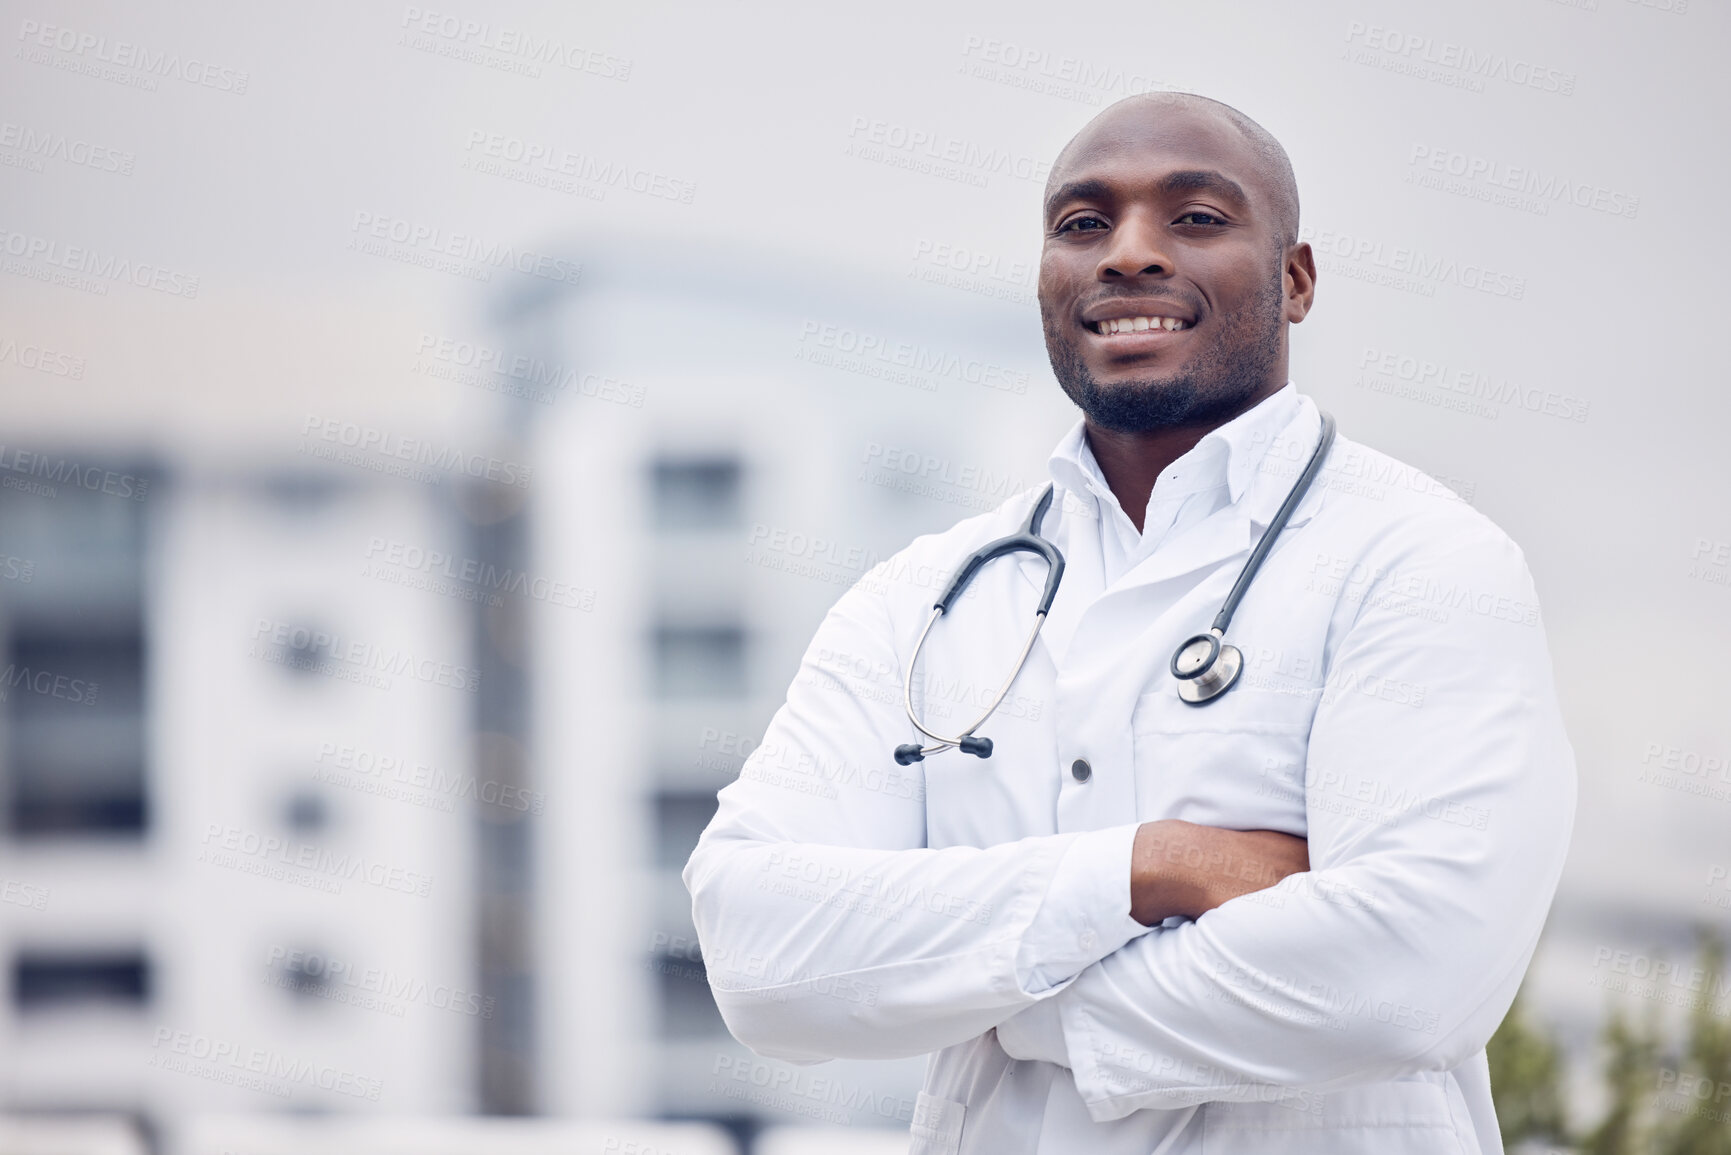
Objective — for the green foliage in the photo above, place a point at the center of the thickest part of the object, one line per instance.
(1631, 1075)
(1660, 1101)
(1527, 1077)
(1703, 1078)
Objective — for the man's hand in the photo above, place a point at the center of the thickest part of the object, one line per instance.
(1182, 868)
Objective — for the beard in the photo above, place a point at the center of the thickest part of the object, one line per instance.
(1217, 384)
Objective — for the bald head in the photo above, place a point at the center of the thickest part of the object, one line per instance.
(1270, 167)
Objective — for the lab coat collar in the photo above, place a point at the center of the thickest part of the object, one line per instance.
(1281, 456)
(1266, 448)
(1232, 452)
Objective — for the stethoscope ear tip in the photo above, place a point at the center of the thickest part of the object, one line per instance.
(909, 754)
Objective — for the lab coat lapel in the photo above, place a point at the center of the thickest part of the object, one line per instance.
(1223, 535)
(1233, 531)
(1119, 643)
(1278, 471)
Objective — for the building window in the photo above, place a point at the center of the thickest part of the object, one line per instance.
(679, 818)
(305, 650)
(697, 493)
(699, 661)
(73, 653)
(74, 709)
(44, 980)
(306, 813)
(688, 1009)
(304, 974)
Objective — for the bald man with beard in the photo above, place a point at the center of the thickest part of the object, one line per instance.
(1284, 921)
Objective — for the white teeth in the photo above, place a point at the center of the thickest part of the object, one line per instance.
(1141, 325)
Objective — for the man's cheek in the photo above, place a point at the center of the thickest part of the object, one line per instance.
(1052, 280)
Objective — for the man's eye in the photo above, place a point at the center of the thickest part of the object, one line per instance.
(1206, 218)
(1082, 224)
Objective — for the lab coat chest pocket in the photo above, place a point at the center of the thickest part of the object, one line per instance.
(1237, 761)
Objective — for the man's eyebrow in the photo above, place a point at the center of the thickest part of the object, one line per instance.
(1182, 181)
(1202, 180)
(1078, 190)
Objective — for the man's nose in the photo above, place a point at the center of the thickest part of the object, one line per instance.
(1137, 249)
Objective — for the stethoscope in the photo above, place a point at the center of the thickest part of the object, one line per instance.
(1204, 665)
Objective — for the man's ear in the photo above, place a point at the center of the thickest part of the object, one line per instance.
(1300, 281)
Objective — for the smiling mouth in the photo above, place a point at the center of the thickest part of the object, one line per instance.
(1119, 325)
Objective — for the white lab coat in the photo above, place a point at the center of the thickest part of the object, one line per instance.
(1397, 709)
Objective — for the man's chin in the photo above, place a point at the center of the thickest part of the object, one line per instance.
(1142, 405)
(1138, 380)
(1133, 406)
(1139, 389)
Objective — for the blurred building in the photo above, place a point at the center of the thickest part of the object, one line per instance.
(747, 442)
(239, 792)
(347, 775)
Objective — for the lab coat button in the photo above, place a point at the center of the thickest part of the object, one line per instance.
(1080, 770)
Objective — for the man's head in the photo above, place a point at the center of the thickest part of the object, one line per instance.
(1179, 208)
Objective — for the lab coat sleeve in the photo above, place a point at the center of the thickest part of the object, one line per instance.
(1440, 792)
(829, 930)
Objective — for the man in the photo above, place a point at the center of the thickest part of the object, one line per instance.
(1286, 920)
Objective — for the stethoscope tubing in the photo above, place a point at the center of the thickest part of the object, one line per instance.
(1030, 541)
(944, 743)
(1027, 541)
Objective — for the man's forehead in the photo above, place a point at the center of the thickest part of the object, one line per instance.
(1128, 143)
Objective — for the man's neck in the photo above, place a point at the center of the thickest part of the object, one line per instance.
(1133, 462)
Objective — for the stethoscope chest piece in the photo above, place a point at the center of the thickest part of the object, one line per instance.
(1206, 668)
